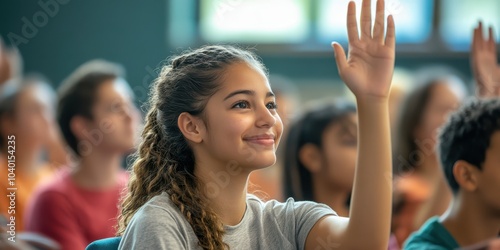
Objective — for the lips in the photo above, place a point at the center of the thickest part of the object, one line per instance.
(263, 139)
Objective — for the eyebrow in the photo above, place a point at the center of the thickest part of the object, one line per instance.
(246, 92)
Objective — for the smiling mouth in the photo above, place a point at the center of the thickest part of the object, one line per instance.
(265, 140)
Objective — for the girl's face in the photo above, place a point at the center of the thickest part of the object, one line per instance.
(339, 151)
(443, 100)
(242, 123)
(33, 116)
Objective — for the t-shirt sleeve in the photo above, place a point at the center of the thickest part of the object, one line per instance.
(300, 217)
(51, 215)
(153, 227)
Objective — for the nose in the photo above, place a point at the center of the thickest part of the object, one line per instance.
(265, 117)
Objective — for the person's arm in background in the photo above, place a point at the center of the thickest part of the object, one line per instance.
(52, 216)
(367, 72)
(484, 63)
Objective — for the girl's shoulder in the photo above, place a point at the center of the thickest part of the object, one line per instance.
(160, 204)
(288, 208)
(159, 224)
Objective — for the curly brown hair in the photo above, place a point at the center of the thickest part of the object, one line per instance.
(164, 161)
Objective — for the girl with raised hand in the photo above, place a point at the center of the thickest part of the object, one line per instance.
(213, 120)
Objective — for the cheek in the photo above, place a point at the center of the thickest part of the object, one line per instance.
(491, 183)
(33, 124)
(224, 132)
(341, 162)
(113, 124)
(428, 126)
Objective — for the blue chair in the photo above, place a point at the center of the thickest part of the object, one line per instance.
(105, 244)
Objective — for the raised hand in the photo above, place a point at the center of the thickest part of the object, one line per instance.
(368, 69)
(484, 63)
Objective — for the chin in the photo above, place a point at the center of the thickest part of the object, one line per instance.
(263, 161)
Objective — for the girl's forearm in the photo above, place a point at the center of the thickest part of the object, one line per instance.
(370, 213)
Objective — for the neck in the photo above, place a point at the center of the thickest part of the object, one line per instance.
(334, 197)
(98, 170)
(469, 222)
(224, 184)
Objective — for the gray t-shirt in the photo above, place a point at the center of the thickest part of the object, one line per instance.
(265, 225)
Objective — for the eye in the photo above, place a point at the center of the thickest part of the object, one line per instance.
(241, 105)
(272, 105)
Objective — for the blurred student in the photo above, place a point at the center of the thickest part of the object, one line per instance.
(267, 183)
(320, 155)
(417, 175)
(469, 146)
(26, 120)
(469, 151)
(98, 121)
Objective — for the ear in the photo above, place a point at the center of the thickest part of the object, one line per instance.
(78, 125)
(466, 175)
(191, 127)
(310, 156)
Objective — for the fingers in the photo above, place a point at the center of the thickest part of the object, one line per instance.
(352, 24)
(480, 38)
(340, 57)
(378, 27)
(366, 19)
(475, 40)
(491, 40)
(479, 42)
(390, 37)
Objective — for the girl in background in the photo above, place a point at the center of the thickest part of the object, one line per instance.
(320, 155)
(418, 175)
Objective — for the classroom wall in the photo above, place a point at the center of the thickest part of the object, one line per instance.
(134, 33)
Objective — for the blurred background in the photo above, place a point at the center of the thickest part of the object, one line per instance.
(291, 36)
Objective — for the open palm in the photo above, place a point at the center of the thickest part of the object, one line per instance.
(484, 62)
(368, 69)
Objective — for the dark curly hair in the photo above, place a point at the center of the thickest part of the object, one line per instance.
(467, 134)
